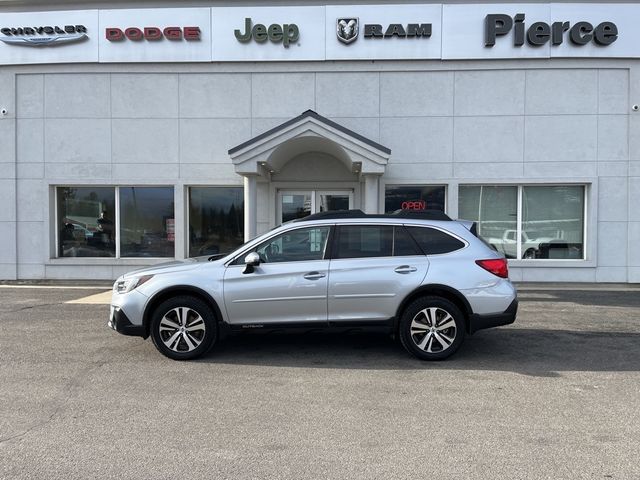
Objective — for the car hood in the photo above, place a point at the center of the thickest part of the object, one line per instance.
(167, 267)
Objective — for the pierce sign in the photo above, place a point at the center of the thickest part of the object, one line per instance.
(539, 33)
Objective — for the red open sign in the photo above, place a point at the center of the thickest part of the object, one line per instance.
(414, 205)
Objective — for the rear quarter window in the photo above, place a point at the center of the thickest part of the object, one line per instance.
(433, 241)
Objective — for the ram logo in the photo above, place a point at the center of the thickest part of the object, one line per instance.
(347, 29)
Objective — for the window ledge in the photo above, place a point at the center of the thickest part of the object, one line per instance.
(108, 261)
(548, 263)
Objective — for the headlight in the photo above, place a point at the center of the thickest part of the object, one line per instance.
(125, 286)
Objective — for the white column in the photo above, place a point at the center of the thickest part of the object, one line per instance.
(371, 193)
(180, 221)
(250, 207)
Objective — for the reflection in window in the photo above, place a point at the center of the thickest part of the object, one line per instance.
(495, 209)
(295, 206)
(216, 220)
(147, 222)
(418, 197)
(551, 220)
(86, 222)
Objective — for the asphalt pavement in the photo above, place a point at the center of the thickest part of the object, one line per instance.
(554, 396)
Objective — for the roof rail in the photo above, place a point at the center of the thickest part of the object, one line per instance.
(331, 214)
(422, 214)
(410, 214)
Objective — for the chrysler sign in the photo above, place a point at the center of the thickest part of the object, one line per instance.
(48, 35)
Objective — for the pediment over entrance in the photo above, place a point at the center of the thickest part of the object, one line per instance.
(268, 152)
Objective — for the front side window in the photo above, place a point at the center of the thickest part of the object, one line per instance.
(86, 222)
(216, 220)
(550, 219)
(147, 222)
(303, 244)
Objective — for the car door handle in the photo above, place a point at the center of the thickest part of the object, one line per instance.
(314, 275)
(405, 269)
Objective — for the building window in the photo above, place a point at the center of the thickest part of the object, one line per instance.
(90, 226)
(147, 222)
(529, 222)
(216, 220)
(86, 217)
(414, 197)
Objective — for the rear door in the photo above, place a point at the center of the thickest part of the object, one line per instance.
(373, 268)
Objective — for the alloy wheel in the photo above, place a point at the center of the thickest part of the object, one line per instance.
(182, 329)
(433, 330)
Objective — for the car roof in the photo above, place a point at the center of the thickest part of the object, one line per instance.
(359, 214)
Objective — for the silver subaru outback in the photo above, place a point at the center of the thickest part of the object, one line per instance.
(421, 276)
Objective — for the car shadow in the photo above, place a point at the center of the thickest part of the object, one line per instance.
(603, 298)
(527, 351)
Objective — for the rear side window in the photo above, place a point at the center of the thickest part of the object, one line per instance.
(360, 241)
(403, 244)
(433, 241)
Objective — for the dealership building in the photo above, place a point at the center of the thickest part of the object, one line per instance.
(130, 136)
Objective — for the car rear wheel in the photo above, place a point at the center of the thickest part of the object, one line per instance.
(432, 328)
(183, 328)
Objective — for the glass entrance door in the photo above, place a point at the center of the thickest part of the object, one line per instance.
(294, 204)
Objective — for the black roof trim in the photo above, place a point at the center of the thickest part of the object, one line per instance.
(409, 214)
(312, 114)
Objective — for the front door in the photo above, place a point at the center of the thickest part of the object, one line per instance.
(289, 285)
(294, 204)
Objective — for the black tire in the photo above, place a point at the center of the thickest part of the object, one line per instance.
(529, 254)
(411, 341)
(181, 347)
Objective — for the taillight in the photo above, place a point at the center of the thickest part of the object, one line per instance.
(497, 266)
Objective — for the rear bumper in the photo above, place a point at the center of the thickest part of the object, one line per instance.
(480, 322)
(119, 322)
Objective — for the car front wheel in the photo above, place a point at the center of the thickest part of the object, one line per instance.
(183, 328)
(432, 328)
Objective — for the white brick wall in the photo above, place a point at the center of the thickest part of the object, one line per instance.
(446, 123)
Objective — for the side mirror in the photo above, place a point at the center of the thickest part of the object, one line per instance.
(252, 260)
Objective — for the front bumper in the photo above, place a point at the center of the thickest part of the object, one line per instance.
(480, 322)
(119, 322)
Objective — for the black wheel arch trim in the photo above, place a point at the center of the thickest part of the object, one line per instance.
(173, 291)
(435, 289)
